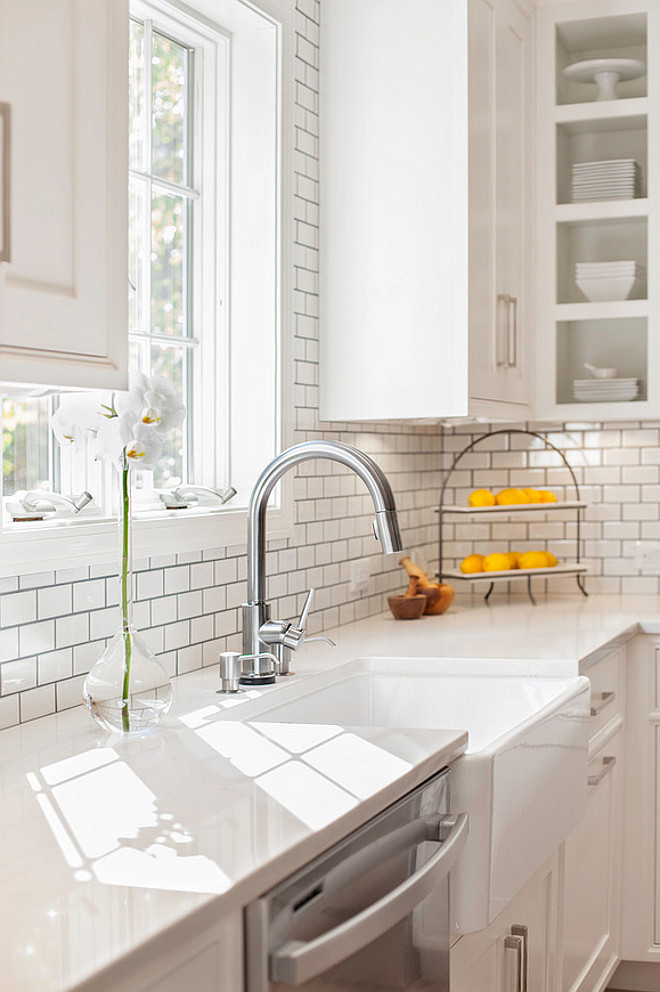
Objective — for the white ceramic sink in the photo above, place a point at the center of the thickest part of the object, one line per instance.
(523, 779)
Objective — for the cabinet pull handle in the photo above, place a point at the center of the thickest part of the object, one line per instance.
(502, 346)
(601, 702)
(608, 764)
(513, 951)
(508, 360)
(512, 339)
(5, 246)
(522, 930)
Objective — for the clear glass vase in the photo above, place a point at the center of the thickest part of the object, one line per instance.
(127, 690)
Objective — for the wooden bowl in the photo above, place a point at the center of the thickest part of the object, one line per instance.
(407, 607)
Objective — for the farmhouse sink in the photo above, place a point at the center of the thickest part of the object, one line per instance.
(522, 780)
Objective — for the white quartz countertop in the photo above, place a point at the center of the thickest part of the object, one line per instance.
(106, 842)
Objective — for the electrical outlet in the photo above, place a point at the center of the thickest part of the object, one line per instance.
(647, 556)
(360, 575)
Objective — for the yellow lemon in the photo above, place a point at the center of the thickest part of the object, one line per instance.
(481, 497)
(547, 496)
(532, 495)
(497, 563)
(509, 497)
(552, 561)
(515, 558)
(533, 559)
(473, 563)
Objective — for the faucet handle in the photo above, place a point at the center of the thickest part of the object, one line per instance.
(302, 622)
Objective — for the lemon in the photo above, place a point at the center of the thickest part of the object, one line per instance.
(471, 564)
(509, 497)
(547, 496)
(497, 562)
(532, 495)
(552, 561)
(515, 558)
(533, 559)
(481, 497)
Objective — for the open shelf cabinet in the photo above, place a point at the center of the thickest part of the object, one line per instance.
(575, 128)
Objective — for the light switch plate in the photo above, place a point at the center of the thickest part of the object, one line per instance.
(647, 556)
(360, 575)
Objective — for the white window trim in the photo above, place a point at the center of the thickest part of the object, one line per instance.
(53, 544)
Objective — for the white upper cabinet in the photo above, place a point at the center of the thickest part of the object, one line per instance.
(500, 91)
(424, 209)
(63, 278)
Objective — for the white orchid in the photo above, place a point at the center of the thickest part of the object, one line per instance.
(75, 420)
(130, 429)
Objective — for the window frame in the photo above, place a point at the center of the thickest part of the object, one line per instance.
(62, 543)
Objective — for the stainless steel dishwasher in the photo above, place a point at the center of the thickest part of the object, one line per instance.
(372, 913)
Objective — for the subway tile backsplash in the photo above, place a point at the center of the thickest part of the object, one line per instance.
(54, 625)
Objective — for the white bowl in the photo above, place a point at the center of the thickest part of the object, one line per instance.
(598, 289)
(601, 373)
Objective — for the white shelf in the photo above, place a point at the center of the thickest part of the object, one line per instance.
(594, 210)
(515, 508)
(601, 311)
(566, 568)
(605, 110)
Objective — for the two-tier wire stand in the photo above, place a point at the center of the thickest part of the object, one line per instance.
(576, 568)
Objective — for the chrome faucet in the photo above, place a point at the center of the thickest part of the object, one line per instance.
(263, 637)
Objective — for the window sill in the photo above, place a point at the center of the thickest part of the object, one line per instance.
(57, 544)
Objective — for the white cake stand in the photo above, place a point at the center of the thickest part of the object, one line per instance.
(605, 73)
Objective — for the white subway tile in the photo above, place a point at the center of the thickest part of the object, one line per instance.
(37, 702)
(18, 608)
(150, 584)
(54, 666)
(74, 629)
(177, 635)
(54, 601)
(8, 644)
(89, 595)
(15, 676)
(35, 638)
(9, 712)
(190, 604)
(103, 623)
(69, 693)
(177, 579)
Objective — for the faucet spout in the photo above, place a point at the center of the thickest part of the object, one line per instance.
(386, 527)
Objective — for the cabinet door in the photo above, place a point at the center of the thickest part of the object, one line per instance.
(488, 962)
(188, 958)
(63, 292)
(592, 861)
(500, 170)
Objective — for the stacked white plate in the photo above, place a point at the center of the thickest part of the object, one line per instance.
(613, 179)
(623, 280)
(606, 390)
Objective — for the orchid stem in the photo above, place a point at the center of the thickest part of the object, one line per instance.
(125, 598)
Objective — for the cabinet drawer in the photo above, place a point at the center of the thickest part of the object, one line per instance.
(606, 679)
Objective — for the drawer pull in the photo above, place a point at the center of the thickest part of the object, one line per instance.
(600, 703)
(522, 930)
(514, 952)
(608, 764)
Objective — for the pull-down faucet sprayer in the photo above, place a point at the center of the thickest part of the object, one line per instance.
(261, 635)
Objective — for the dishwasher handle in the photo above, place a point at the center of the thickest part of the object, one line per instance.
(296, 961)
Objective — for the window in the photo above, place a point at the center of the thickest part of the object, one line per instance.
(178, 100)
(206, 260)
